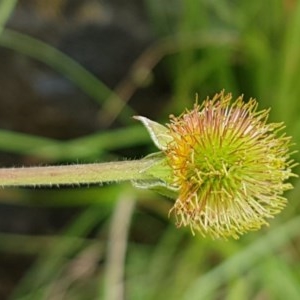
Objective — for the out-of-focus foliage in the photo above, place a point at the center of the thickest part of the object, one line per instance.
(122, 240)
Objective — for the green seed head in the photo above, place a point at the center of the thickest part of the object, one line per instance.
(227, 164)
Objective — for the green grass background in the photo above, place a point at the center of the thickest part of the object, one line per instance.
(244, 47)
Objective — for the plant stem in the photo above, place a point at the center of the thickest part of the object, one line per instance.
(76, 174)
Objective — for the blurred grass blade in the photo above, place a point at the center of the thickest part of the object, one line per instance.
(277, 272)
(114, 287)
(6, 9)
(290, 69)
(21, 143)
(93, 145)
(90, 146)
(239, 263)
(34, 285)
(62, 63)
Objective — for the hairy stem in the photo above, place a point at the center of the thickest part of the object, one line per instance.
(76, 174)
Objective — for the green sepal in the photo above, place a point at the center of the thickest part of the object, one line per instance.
(161, 173)
(159, 134)
(157, 186)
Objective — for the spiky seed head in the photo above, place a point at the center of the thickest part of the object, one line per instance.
(229, 166)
